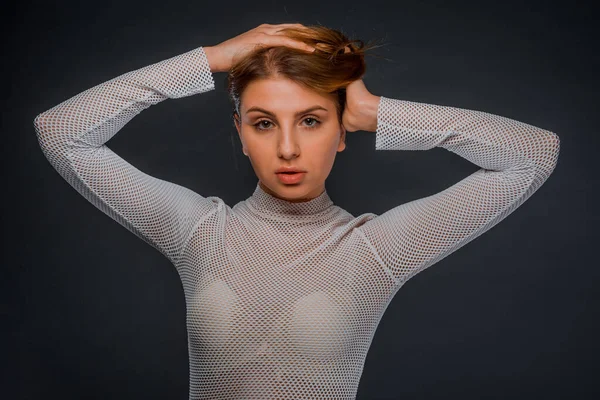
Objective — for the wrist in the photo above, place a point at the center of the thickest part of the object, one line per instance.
(370, 108)
(213, 60)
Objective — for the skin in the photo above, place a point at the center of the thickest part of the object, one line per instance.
(287, 139)
(309, 141)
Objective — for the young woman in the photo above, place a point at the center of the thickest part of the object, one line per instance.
(285, 290)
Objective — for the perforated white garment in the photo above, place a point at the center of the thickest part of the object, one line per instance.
(283, 299)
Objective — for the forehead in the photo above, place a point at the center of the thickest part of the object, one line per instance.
(282, 95)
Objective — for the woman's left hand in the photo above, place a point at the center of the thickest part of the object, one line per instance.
(360, 113)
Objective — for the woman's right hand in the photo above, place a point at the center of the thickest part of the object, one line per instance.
(224, 55)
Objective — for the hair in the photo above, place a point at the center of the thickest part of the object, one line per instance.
(336, 62)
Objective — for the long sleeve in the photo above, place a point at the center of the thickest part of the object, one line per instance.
(73, 134)
(515, 160)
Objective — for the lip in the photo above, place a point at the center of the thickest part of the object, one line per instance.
(291, 178)
(288, 169)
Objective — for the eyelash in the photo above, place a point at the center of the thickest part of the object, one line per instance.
(314, 126)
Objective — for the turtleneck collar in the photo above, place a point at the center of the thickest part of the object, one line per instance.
(266, 203)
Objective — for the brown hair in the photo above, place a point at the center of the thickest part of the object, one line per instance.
(336, 62)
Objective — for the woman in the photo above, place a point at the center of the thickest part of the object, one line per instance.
(285, 290)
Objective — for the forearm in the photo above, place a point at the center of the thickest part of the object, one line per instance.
(96, 114)
(490, 141)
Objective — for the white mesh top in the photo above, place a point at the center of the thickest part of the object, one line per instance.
(282, 298)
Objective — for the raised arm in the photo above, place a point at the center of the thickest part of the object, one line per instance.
(515, 160)
(73, 134)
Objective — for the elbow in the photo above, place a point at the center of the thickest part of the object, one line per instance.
(37, 121)
(547, 158)
(40, 123)
(47, 141)
(553, 149)
(41, 127)
(47, 121)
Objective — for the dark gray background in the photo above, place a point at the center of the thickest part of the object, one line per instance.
(93, 312)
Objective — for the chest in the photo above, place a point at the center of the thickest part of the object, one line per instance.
(257, 293)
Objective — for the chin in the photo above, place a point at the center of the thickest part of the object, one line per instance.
(283, 191)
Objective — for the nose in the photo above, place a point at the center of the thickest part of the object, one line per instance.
(288, 146)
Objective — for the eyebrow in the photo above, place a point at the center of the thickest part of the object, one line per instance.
(317, 107)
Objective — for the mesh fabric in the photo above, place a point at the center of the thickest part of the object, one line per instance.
(283, 299)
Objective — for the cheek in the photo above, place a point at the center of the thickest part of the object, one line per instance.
(333, 142)
(259, 157)
(322, 154)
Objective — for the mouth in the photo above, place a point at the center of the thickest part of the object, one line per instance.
(290, 177)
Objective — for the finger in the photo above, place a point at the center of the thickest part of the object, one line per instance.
(296, 44)
(277, 26)
(287, 25)
(281, 27)
(282, 40)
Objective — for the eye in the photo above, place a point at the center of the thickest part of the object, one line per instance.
(313, 125)
(261, 127)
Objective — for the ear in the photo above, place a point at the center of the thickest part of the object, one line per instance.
(342, 144)
(239, 131)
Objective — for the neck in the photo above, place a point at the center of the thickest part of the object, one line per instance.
(303, 199)
(271, 205)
